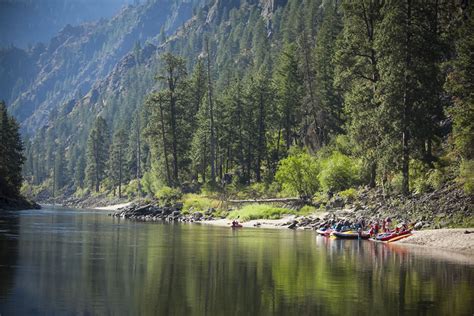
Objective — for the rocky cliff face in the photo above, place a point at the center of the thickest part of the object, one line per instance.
(269, 6)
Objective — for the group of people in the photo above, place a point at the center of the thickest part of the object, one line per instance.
(374, 227)
(386, 227)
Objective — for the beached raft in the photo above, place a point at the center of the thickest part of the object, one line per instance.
(351, 235)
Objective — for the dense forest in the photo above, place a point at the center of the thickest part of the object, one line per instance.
(11, 159)
(293, 97)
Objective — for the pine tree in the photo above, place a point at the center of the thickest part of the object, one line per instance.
(288, 84)
(59, 170)
(79, 171)
(261, 101)
(326, 115)
(157, 133)
(11, 158)
(357, 75)
(460, 85)
(200, 147)
(97, 154)
(212, 129)
(117, 160)
(408, 81)
(177, 121)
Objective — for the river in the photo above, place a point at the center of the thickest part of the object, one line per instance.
(66, 261)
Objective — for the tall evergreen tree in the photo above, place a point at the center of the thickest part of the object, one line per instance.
(158, 134)
(59, 170)
(176, 102)
(288, 84)
(11, 158)
(460, 85)
(357, 75)
(117, 160)
(408, 80)
(97, 154)
(327, 118)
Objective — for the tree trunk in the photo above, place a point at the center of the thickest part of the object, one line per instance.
(165, 148)
(309, 77)
(211, 113)
(120, 172)
(373, 173)
(287, 129)
(175, 139)
(406, 107)
(241, 139)
(138, 156)
(261, 134)
(278, 144)
(96, 157)
(249, 162)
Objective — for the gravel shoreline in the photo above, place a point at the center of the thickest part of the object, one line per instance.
(453, 239)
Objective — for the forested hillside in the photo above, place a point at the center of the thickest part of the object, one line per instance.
(290, 97)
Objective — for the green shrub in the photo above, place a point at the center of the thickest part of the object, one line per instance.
(395, 183)
(423, 178)
(259, 211)
(320, 198)
(436, 178)
(298, 174)
(349, 194)
(150, 183)
(131, 189)
(342, 144)
(339, 172)
(198, 202)
(81, 192)
(307, 209)
(168, 195)
(466, 175)
(418, 176)
(256, 190)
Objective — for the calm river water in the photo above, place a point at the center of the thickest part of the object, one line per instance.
(64, 261)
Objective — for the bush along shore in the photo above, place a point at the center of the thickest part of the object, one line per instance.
(446, 207)
(17, 204)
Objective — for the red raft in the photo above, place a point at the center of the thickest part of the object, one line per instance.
(392, 235)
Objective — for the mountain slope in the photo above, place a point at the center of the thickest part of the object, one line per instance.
(78, 56)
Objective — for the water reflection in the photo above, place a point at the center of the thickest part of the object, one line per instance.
(8, 250)
(84, 262)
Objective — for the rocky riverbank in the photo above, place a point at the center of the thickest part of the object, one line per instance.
(143, 211)
(446, 207)
(88, 201)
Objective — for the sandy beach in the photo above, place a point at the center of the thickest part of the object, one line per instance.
(281, 223)
(115, 207)
(454, 239)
